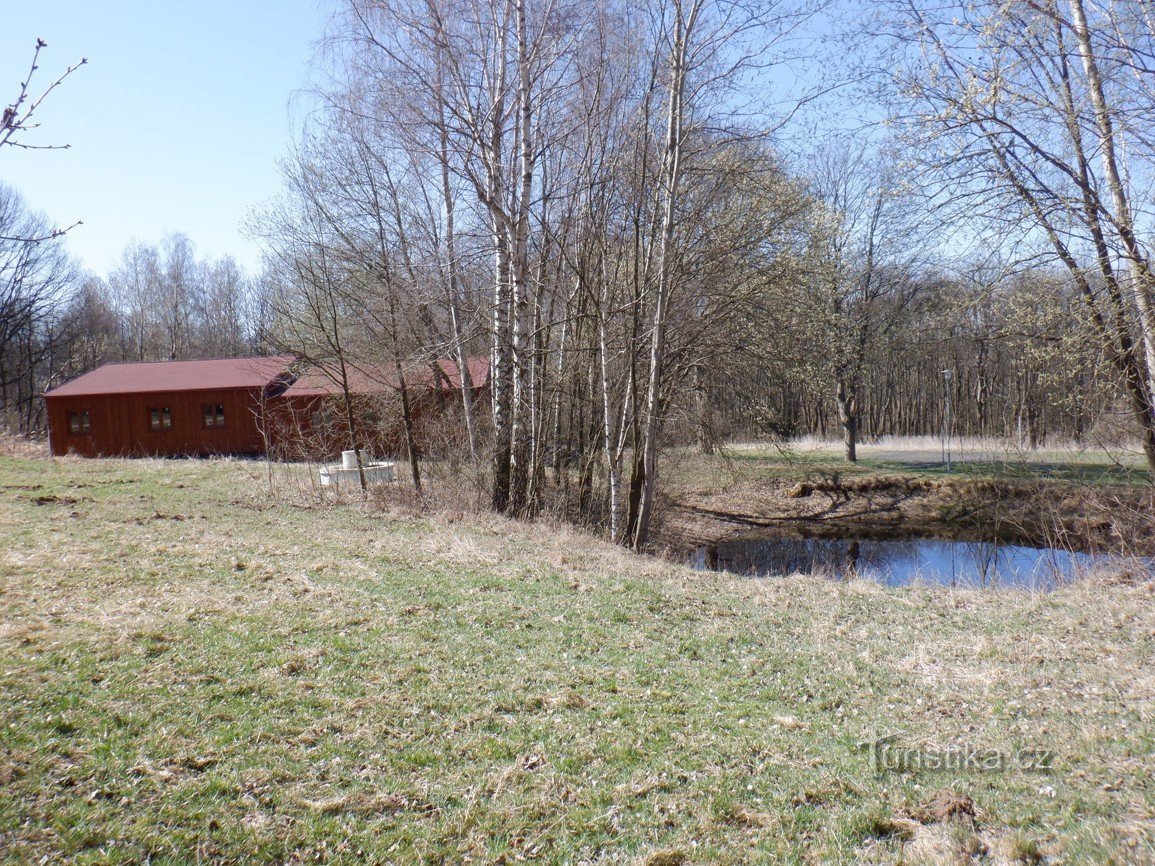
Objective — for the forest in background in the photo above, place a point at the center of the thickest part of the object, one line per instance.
(615, 204)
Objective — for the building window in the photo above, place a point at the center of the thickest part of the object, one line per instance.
(159, 418)
(79, 424)
(213, 414)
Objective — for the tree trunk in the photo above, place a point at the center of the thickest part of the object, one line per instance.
(407, 421)
(501, 378)
(453, 283)
(1123, 218)
(523, 406)
(672, 176)
(705, 416)
(848, 417)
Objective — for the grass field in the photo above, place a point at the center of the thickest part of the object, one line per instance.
(193, 669)
(970, 458)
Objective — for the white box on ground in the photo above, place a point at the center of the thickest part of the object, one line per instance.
(346, 471)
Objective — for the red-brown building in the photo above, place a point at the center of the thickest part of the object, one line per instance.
(309, 419)
(167, 408)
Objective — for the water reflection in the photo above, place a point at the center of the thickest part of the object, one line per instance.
(897, 563)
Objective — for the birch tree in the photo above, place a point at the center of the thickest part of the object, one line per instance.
(707, 50)
(1038, 102)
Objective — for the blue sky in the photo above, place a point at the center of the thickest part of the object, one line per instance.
(176, 122)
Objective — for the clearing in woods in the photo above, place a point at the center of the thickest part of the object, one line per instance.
(191, 668)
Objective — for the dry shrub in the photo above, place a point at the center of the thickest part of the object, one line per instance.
(1115, 429)
(20, 445)
(1095, 518)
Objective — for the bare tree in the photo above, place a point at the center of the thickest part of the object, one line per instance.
(866, 241)
(219, 315)
(707, 49)
(1022, 99)
(313, 319)
(18, 119)
(35, 279)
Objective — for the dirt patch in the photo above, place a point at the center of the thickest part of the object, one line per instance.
(51, 499)
(946, 831)
(884, 507)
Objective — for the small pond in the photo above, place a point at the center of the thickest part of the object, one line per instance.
(899, 563)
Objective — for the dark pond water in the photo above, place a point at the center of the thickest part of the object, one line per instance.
(898, 563)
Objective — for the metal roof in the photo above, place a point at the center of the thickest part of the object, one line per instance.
(169, 376)
(378, 378)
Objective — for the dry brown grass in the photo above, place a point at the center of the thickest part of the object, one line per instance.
(16, 445)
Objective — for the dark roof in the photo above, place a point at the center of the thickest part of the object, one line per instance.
(379, 378)
(318, 382)
(477, 366)
(169, 376)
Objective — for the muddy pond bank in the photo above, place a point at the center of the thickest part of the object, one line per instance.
(1037, 513)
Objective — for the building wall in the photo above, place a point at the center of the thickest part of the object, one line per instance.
(307, 427)
(120, 425)
(311, 427)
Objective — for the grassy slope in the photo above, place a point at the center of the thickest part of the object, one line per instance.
(266, 680)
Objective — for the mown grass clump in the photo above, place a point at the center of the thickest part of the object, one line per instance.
(195, 669)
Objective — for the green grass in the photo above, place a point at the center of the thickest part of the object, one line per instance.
(1083, 466)
(194, 669)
